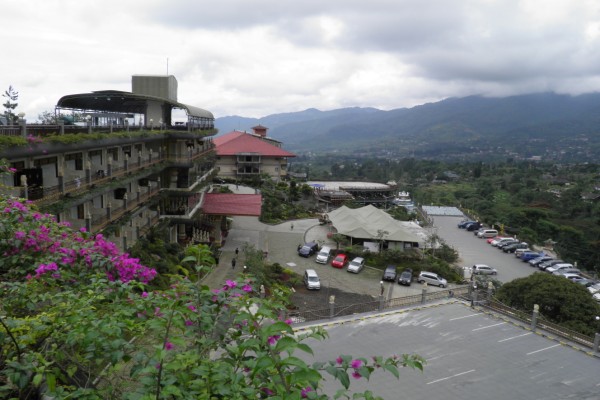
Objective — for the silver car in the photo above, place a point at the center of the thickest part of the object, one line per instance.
(356, 265)
(482, 269)
(432, 279)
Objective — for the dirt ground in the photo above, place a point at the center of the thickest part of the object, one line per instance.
(305, 299)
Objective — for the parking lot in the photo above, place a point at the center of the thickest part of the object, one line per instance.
(281, 241)
(473, 250)
(470, 355)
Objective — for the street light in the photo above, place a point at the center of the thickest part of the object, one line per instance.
(597, 336)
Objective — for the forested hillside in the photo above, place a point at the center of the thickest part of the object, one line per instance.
(551, 126)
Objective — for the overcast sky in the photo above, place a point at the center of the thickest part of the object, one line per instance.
(259, 57)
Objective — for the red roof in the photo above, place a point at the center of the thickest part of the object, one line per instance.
(237, 142)
(232, 204)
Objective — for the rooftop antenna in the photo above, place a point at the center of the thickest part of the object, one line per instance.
(167, 65)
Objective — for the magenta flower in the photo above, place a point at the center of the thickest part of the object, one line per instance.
(189, 322)
(144, 294)
(247, 288)
(191, 307)
(339, 360)
(157, 312)
(273, 339)
(19, 235)
(356, 364)
(267, 391)
(169, 346)
(356, 375)
(229, 284)
(304, 392)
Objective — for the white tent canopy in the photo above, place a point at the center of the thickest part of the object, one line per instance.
(366, 222)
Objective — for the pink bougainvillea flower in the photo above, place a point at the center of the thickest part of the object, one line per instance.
(356, 375)
(339, 360)
(273, 339)
(144, 294)
(356, 364)
(189, 322)
(169, 346)
(229, 284)
(304, 392)
(247, 288)
(191, 307)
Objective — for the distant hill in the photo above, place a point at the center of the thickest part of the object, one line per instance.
(547, 125)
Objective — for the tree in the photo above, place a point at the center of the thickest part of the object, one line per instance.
(47, 117)
(11, 104)
(79, 320)
(560, 300)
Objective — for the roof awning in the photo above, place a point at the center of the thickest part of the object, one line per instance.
(232, 204)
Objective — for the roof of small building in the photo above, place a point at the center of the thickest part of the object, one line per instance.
(232, 204)
(236, 142)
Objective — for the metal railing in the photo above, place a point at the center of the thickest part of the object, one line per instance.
(540, 323)
(376, 305)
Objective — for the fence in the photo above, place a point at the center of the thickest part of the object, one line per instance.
(334, 310)
(540, 323)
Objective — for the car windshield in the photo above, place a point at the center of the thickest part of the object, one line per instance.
(339, 258)
(313, 279)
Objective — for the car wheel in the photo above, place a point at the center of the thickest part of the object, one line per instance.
(421, 282)
(494, 273)
(442, 285)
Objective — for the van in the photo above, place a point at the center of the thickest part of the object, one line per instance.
(432, 279)
(487, 233)
(323, 255)
(311, 279)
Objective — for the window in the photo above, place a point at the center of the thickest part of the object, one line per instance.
(81, 211)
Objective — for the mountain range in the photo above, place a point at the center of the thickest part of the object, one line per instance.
(545, 126)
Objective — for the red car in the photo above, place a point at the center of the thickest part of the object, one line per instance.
(339, 261)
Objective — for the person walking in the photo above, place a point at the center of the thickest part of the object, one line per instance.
(236, 251)
(233, 263)
(292, 226)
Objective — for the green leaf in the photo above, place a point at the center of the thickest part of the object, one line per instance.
(278, 328)
(295, 361)
(51, 381)
(344, 379)
(305, 348)
(286, 343)
(37, 379)
(392, 369)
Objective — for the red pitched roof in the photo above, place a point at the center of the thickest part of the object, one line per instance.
(232, 204)
(236, 142)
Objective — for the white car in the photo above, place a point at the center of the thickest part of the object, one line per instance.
(594, 288)
(356, 265)
(482, 269)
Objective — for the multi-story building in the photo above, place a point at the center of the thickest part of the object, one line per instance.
(124, 168)
(242, 155)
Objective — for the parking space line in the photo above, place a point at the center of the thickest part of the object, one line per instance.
(466, 316)
(489, 326)
(449, 377)
(546, 348)
(514, 337)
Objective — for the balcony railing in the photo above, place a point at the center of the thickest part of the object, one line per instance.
(99, 222)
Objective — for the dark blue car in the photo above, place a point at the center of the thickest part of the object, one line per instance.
(529, 255)
(463, 224)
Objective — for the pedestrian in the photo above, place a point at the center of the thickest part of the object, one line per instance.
(292, 226)
(233, 263)
(236, 251)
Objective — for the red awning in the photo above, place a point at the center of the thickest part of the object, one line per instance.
(232, 204)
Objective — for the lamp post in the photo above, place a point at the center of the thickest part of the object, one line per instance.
(88, 119)
(22, 123)
(597, 335)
